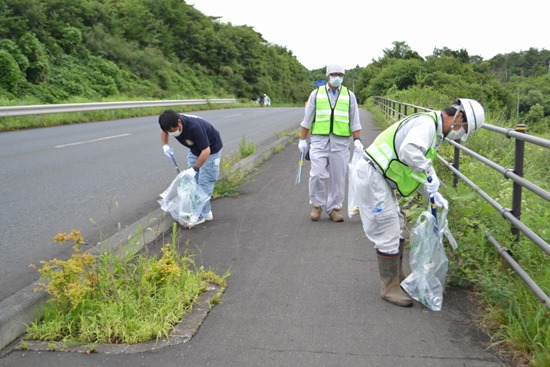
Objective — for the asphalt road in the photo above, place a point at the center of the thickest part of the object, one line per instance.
(97, 177)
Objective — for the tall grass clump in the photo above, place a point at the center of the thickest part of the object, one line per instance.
(246, 147)
(110, 298)
(230, 179)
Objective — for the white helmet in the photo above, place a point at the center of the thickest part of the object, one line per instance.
(473, 112)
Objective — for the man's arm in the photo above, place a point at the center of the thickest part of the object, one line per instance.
(202, 157)
(164, 137)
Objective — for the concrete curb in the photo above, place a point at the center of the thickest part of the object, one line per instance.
(22, 308)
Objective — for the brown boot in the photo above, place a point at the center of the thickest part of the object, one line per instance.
(388, 266)
(336, 216)
(315, 213)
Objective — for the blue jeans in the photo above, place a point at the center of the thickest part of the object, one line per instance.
(208, 174)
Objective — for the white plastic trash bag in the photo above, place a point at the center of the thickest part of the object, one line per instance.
(353, 198)
(428, 262)
(183, 198)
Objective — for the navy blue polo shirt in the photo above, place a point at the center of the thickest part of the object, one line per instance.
(198, 134)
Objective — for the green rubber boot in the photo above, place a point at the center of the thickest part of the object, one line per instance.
(390, 290)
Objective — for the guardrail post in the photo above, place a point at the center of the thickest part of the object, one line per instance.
(456, 164)
(518, 170)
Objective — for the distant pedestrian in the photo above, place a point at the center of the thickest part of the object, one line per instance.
(400, 159)
(205, 151)
(331, 118)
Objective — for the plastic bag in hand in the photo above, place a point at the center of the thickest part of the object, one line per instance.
(353, 198)
(428, 264)
(183, 198)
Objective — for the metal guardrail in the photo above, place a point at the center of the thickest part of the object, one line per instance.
(396, 110)
(9, 111)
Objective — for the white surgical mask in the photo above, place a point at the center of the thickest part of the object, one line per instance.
(336, 81)
(456, 134)
(175, 134)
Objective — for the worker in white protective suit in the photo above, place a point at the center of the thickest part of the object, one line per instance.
(400, 159)
(331, 118)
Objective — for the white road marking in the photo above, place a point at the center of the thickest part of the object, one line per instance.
(92, 141)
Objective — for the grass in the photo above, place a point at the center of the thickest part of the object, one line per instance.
(118, 299)
(246, 147)
(230, 180)
(518, 322)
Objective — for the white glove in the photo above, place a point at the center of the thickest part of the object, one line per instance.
(440, 201)
(168, 150)
(302, 146)
(190, 172)
(432, 187)
(358, 145)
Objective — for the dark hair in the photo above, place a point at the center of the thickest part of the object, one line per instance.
(168, 119)
(454, 107)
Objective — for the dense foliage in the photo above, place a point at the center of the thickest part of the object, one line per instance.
(69, 50)
(514, 88)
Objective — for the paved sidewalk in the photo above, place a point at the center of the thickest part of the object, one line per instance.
(301, 293)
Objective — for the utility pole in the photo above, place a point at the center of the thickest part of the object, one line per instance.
(517, 108)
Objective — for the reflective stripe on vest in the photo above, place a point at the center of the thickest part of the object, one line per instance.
(383, 152)
(329, 120)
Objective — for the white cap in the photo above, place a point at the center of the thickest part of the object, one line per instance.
(335, 68)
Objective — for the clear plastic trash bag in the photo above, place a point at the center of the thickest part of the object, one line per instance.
(183, 198)
(428, 261)
(353, 201)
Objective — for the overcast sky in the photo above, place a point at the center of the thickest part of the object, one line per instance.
(354, 32)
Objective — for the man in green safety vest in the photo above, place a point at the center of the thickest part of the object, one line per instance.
(331, 118)
(400, 159)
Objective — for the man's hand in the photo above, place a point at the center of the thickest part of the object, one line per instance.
(432, 185)
(358, 145)
(190, 172)
(302, 146)
(168, 150)
(440, 201)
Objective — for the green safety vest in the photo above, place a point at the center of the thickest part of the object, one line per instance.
(383, 152)
(330, 120)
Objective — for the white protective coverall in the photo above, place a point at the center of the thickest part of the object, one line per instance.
(329, 155)
(380, 214)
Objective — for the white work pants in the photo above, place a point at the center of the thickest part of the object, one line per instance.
(327, 176)
(380, 214)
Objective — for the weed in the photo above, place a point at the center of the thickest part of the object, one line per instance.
(24, 345)
(246, 147)
(118, 299)
(278, 149)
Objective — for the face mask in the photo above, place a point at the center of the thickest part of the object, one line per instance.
(336, 81)
(456, 134)
(175, 134)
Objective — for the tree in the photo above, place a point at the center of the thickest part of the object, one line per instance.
(11, 77)
(35, 51)
(401, 50)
